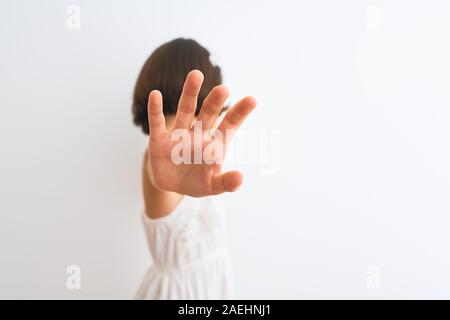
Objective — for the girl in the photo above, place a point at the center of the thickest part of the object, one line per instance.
(183, 223)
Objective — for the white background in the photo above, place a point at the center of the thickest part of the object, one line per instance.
(358, 90)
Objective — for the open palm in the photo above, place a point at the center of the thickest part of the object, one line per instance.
(196, 178)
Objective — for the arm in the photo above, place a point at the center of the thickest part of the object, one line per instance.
(164, 181)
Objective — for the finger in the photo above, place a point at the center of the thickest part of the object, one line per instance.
(237, 115)
(156, 120)
(188, 99)
(212, 106)
(227, 182)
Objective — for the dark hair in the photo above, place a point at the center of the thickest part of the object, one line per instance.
(166, 70)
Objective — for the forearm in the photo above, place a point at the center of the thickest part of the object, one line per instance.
(158, 203)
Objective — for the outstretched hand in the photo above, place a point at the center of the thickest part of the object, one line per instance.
(193, 179)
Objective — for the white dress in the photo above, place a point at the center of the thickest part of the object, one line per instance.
(189, 251)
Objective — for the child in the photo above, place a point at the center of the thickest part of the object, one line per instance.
(183, 224)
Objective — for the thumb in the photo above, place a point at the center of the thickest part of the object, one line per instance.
(226, 182)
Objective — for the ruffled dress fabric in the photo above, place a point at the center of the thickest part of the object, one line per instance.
(189, 251)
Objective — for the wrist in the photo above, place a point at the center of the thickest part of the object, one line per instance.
(158, 202)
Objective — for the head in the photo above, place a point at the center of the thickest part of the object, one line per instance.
(166, 70)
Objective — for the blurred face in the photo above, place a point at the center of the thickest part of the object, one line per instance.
(170, 122)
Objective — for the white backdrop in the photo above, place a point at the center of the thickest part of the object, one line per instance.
(358, 91)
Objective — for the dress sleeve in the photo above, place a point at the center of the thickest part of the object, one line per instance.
(189, 252)
(190, 233)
